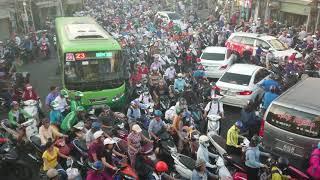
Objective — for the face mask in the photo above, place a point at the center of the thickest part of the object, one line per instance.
(171, 67)
(180, 78)
(206, 144)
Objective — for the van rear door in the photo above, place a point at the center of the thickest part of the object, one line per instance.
(291, 133)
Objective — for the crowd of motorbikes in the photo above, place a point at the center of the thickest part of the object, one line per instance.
(150, 42)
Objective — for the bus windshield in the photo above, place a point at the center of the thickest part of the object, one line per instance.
(94, 71)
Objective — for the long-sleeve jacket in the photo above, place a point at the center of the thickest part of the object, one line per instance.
(204, 154)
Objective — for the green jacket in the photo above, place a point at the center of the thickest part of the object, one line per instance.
(74, 104)
(13, 119)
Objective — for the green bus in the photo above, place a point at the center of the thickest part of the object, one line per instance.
(90, 61)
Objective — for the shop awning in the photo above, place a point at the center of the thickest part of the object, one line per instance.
(46, 4)
(300, 7)
(74, 1)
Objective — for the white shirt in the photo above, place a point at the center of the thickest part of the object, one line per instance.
(214, 108)
(62, 103)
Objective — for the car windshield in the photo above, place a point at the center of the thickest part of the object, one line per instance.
(294, 121)
(233, 78)
(94, 71)
(213, 56)
(174, 16)
(277, 45)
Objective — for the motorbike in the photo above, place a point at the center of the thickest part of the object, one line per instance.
(10, 162)
(44, 49)
(124, 171)
(214, 124)
(30, 127)
(31, 107)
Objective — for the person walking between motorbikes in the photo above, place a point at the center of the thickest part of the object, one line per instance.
(314, 164)
(63, 101)
(252, 158)
(258, 55)
(269, 97)
(279, 168)
(233, 135)
(203, 152)
(134, 143)
(200, 172)
(249, 119)
(214, 107)
(269, 58)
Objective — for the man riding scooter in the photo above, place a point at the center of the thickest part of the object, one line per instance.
(30, 94)
(16, 116)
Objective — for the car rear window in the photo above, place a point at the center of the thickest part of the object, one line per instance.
(294, 121)
(234, 78)
(213, 56)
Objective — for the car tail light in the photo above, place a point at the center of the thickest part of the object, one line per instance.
(223, 67)
(245, 93)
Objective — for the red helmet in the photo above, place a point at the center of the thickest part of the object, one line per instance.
(161, 166)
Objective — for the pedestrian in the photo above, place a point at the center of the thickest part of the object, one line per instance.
(62, 101)
(134, 143)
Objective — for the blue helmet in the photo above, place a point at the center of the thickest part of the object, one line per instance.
(239, 124)
(157, 113)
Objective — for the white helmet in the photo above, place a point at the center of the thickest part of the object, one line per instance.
(203, 139)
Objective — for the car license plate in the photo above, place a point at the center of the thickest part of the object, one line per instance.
(230, 93)
(289, 149)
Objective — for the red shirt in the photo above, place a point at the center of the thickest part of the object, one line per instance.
(29, 95)
(95, 148)
(135, 78)
(144, 70)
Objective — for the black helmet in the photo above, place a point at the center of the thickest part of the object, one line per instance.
(282, 163)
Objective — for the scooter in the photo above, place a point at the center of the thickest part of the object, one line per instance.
(214, 124)
(44, 49)
(11, 163)
(30, 127)
(184, 165)
(31, 107)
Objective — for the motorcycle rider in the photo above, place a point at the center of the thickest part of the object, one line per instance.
(200, 172)
(96, 148)
(95, 126)
(273, 81)
(290, 68)
(252, 160)
(74, 103)
(233, 136)
(134, 112)
(97, 172)
(145, 98)
(179, 84)
(54, 92)
(161, 169)
(170, 74)
(62, 100)
(17, 115)
(156, 125)
(107, 158)
(278, 170)
(203, 152)
(154, 78)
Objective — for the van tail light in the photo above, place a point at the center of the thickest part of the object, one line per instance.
(261, 131)
(245, 93)
(223, 67)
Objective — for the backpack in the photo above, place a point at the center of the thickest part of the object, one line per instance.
(210, 107)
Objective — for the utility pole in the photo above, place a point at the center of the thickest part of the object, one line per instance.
(61, 7)
(25, 17)
(31, 15)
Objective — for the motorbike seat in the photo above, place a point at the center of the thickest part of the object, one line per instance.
(220, 140)
(187, 161)
(80, 145)
(35, 140)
